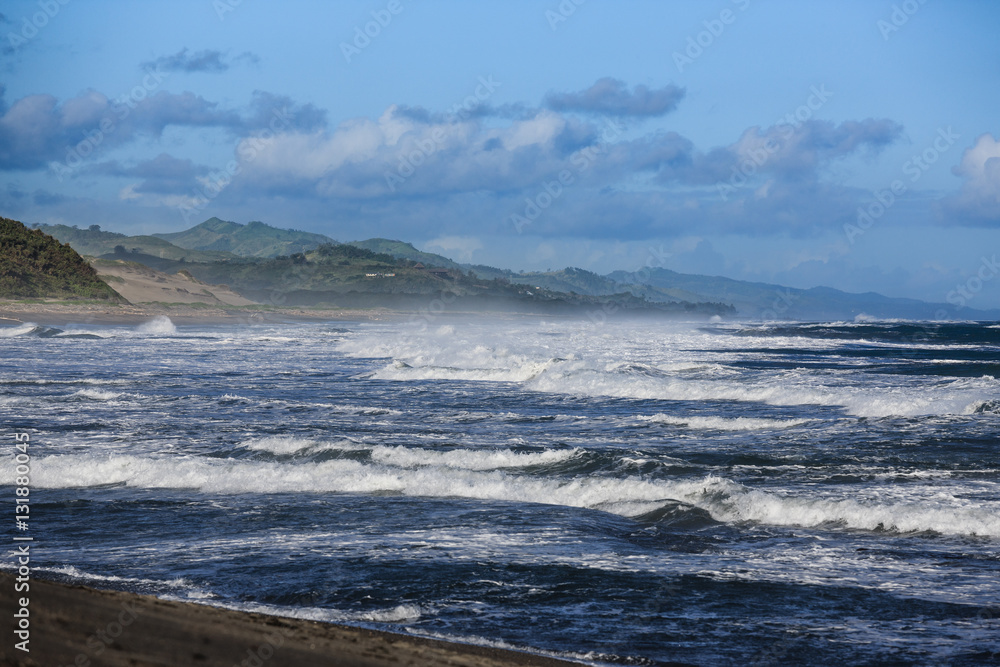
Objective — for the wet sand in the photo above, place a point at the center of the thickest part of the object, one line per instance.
(76, 625)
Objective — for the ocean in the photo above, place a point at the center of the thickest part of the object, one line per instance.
(625, 493)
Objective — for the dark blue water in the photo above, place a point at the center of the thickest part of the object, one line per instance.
(625, 494)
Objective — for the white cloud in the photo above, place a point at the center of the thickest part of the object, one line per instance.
(979, 199)
(541, 129)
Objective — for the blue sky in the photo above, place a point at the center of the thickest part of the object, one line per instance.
(844, 143)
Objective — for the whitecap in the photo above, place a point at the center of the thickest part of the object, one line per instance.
(160, 324)
(725, 424)
(723, 499)
(95, 394)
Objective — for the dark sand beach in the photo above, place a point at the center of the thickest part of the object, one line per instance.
(76, 625)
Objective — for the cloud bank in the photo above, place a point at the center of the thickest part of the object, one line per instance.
(567, 167)
(612, 97)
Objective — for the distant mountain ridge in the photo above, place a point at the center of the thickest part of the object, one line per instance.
(777, 302)
(254, 239)
(96, 242)
(222, 243)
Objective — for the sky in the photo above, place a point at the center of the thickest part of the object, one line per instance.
(847, 143)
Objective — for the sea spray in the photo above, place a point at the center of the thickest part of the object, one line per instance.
(159, 325)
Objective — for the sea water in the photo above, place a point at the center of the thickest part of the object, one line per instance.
(629, 493)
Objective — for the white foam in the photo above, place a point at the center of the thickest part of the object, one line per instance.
(944, 514)
(415, 457)
(20, 330)
(521, 371)
(589, 658)
(76, 573)
(797, 387)
(286, 445)
(43, 381)
(725, 500)
(656, 362)
(404, 613)
(724, 424)
(470, 459)
(160, 324)
(983, 407)
(399, 614)
(360, 409)
(95, 394)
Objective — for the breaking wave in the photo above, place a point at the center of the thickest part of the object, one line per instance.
(663, 364)
(724, 424)
(470, 475)
(158, 325)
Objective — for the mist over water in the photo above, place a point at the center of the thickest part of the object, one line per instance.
(721, 493)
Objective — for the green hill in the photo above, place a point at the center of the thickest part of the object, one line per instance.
(34, 265)
(403, 250)
(586, 282)
(97, 243)
(570, 279)
(254, 239)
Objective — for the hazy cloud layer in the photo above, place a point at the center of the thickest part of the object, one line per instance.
(404, 155)
(612, 97)
(208, 60)
(164, 174)
(37, 130)
(484, 167)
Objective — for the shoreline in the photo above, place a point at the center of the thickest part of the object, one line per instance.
(101, 314)
(71, 624)
(63, 314)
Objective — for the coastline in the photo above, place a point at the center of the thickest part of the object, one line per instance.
(62, 313)
(65, 314)
(82, 626)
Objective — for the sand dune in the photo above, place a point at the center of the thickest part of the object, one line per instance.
(141, 284)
